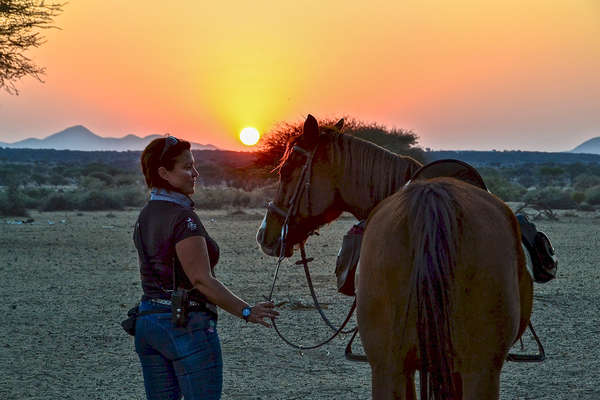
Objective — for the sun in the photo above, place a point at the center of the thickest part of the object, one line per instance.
(249, 136)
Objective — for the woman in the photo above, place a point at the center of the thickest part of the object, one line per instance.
(180, 358)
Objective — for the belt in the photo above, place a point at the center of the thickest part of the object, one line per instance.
(168, 302)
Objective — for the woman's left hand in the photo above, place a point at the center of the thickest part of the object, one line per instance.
(261, 311)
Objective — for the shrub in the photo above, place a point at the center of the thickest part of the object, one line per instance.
(504, 189)
(57, 180)
(126, 180)
(102, 176)
(131, 196)
(586, 181)
(12, 203)
(91, 183)
(585, 207)
(578, 197)
(58, 202)
(99, 200)
(216, 197)
(553, 197)
(592, 195)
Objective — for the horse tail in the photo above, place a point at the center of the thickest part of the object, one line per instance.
(433, 228)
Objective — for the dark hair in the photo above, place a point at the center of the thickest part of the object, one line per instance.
(155, 156)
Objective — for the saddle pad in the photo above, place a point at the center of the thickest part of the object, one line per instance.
(452, 169)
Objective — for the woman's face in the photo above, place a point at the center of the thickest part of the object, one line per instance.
(183, 175)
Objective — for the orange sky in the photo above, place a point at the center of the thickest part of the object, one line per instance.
(461, 74)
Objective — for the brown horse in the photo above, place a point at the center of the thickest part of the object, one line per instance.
(442, 286)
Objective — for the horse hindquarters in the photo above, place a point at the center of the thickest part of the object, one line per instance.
(466, 289)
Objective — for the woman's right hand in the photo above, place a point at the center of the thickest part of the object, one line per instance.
(261, 311)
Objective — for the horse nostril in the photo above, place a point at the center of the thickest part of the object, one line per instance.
(260, 235)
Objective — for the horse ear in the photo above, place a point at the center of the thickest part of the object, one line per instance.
(340, 124)
(311, 128)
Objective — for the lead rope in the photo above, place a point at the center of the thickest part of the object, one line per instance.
(270, 298)
(305, 262)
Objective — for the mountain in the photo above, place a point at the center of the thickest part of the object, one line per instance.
(591, 146)
(78, 137)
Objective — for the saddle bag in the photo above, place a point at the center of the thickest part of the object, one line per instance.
(347, 259)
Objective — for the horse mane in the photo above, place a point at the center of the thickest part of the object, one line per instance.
(367, 165)
(360, 164)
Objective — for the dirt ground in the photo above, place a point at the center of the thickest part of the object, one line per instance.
(69, 278)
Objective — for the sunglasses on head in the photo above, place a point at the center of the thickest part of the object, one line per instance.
(170, 141)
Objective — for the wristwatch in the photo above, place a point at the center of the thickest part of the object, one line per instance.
(246, 311)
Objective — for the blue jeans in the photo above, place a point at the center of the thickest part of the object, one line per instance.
(179, 361)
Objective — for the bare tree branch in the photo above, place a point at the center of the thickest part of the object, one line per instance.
(19, 22)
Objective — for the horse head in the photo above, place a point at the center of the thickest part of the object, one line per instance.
(306, 195)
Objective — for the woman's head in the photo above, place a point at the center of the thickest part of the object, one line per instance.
(168, 163)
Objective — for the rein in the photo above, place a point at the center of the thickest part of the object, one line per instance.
(303, 185)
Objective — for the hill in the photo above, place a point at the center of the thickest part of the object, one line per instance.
(591, 146)
(80, 138)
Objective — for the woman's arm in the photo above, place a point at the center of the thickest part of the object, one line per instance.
(193, 255)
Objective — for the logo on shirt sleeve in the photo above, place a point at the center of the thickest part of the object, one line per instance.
(191, 225)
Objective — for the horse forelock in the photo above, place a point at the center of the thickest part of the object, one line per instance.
(288, 152)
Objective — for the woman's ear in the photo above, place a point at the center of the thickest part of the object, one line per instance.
(163, 173)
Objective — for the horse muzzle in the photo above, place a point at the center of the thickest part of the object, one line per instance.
(271, 247)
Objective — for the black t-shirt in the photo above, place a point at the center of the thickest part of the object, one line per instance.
(161, 225)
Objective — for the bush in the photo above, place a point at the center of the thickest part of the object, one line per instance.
(586, 181)
(58, 202)
(131, 196)
(12, 203)
(504, 189)
(57, 180)
(99, 200)
(553, 197)
(217, 197)
(585, 207)
(92, 184)
(578, 197)
(126, 180)
(102, 176)
(592, 195)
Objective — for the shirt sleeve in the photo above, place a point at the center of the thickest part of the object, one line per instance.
(188, 224)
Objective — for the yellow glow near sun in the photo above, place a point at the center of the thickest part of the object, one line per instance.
(249, 136)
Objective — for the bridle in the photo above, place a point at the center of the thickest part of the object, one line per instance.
(302, 186)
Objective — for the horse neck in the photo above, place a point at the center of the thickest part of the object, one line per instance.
(369, 174)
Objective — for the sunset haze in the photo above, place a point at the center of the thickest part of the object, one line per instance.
(460, 74)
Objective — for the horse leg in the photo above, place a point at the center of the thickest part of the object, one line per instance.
(482, 384)
(388, 386)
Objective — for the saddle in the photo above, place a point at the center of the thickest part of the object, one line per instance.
(349, 254)
(537, 243)
(451, 169)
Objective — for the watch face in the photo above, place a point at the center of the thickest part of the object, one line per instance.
(246, 312)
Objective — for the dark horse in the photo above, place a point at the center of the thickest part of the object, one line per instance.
(442, 282)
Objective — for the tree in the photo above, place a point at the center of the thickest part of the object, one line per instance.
(272, 146)
(19, 20)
